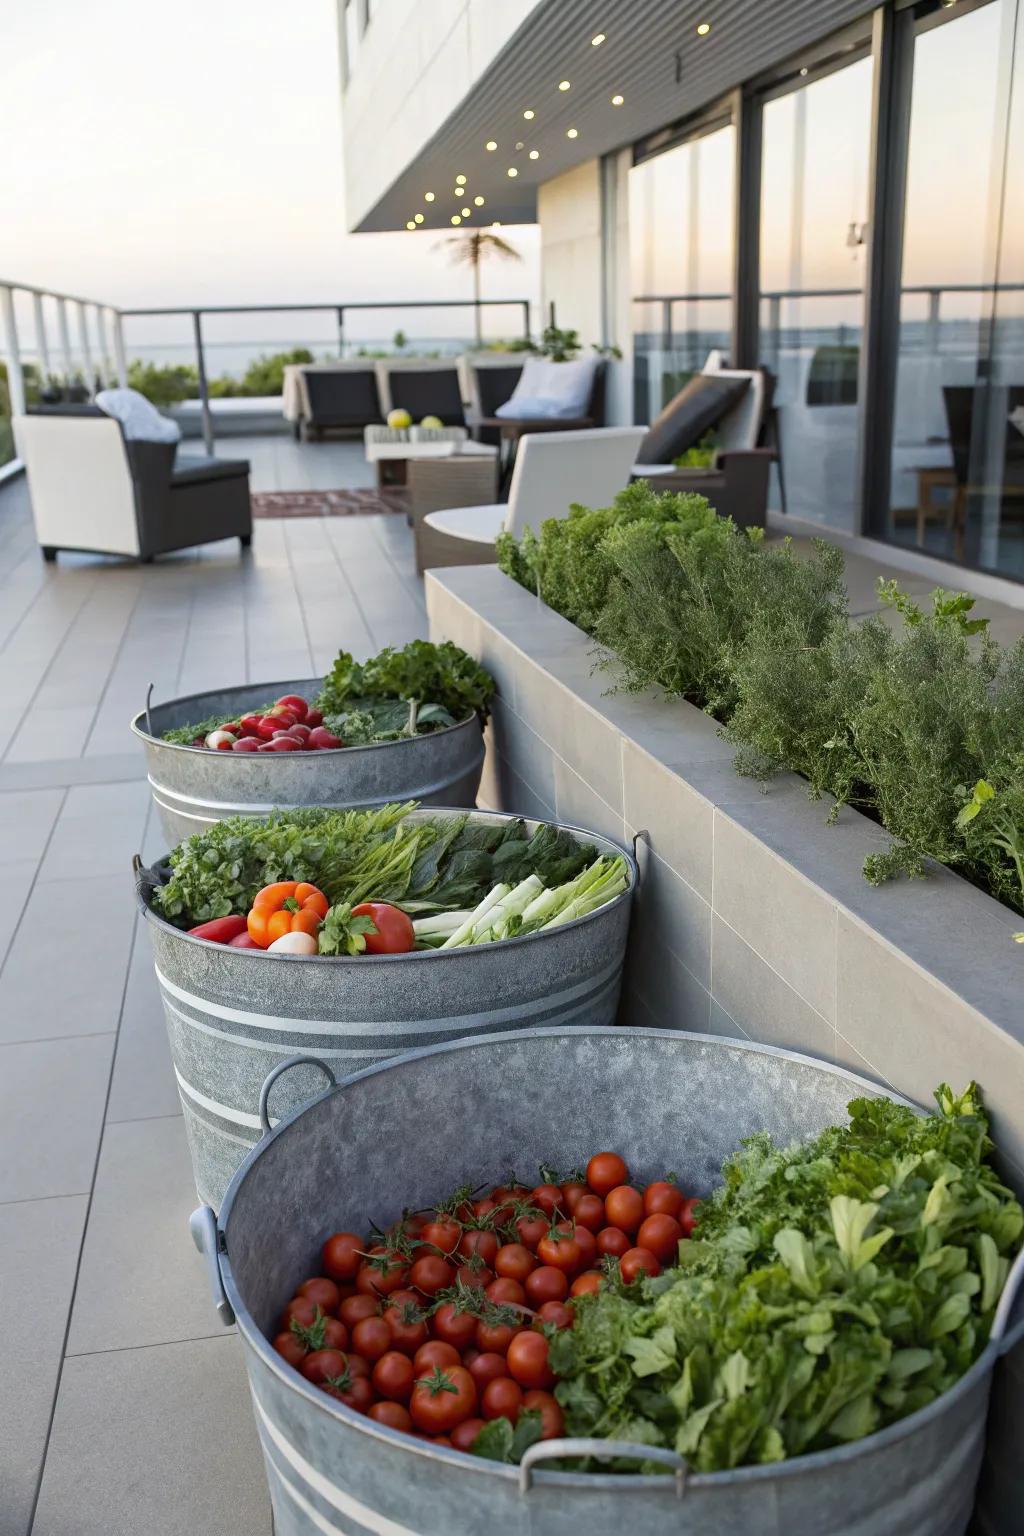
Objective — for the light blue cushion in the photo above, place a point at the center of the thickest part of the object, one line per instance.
(550, 391)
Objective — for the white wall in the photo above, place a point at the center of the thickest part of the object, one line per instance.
(415, 64)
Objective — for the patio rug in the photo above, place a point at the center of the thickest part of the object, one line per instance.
(328, 503)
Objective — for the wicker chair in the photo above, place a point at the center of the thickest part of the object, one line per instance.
(434, 484)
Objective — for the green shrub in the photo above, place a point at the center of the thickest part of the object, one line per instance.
(167, 383)
(163, 383)
(265, 376)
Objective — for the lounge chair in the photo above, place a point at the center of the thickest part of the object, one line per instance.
(423, 387)
(342, 397)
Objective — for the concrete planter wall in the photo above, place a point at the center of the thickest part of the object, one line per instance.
(753, 918)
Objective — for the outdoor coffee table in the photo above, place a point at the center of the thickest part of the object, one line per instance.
(392, 456)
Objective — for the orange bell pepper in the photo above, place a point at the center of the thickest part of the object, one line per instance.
(287, 906)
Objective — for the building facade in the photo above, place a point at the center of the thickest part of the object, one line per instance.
(828, 189)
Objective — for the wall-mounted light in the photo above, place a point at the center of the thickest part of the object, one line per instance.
(803, 72)
(563, 85)
(572, 133)
(466, 212)
(617, 101)
(491, 145)
(428, 197)
(529, 114)
(418, 217)
(460, 181)
(456, 219)
(410, 224)
(534, 154)
(479, 201)
(703, 28)
(512, 171)
(597, 40)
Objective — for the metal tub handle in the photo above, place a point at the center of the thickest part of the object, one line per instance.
(1004, 1334)
(279, 1071)
(203, 1226)
(604, 1450)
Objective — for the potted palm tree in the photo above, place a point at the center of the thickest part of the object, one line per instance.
(471, 251)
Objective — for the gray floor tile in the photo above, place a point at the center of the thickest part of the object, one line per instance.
(39, 1242)
(51, 1108)
(155, 1442)
(15, 880)
(91, 922)
(141, 1281)
(99, 828)
(143, 1084)
(27, 818)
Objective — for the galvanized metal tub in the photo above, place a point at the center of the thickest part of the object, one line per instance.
(662, 1098)
(193, 787)
(233, 1014)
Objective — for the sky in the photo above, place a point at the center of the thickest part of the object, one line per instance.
(190, 154)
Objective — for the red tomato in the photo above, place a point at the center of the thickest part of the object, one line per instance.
(560, 1250)
(323, 1293)
(502, 1399)
(663, 1199)
(323, 1365)
(636, 1262)
(660, 1234)
(589, 1212)
(382, 1273)
(334, 1334)
(586, 1284)
(605, 1172)
(354, 1308)
(555, 1314)
(454, 1327)
(407, 1323)
(547, 1198)
(587, 1244)
(431, 1274)
(393, 1376)
(624, 1207)
(505, 1292)
(357, 1366)
(546, 1284)
(572, 1194)
(528, 1360)
(393, 1415)
(515, 1261)
(480, 1242)
(443, 1399)
(395, 934)
(486, 1367)
(552, 1420)
(473, 1273)
(356, 1392)
(342, 1255)
(442, 1234)
(614, 1241)
(291, 1347)
(530, 1230)
(494, 1338)
(688, 1215)
(371, 1338)
(436, 1352)
(301, 1310)
(465, 1433)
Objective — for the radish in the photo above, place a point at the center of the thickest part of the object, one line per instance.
(295, 703)
(313, 717)
(220, 741)
(246, 744)
(249, 725)
(321, 738)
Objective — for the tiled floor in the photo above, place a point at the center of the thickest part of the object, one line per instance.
(123, 1405)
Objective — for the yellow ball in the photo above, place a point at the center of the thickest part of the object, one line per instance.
(399, 419)
(433, 422)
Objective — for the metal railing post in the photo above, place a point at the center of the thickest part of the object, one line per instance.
(934, 320)
(83, 338)
(204, 396)
(15, 377)
(526, 319)
(341, 330)
(666, 325)
(65, 339)
(104, 337)
(120, 361)
(41, 344)
(775, 328)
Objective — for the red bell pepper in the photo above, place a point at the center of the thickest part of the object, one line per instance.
(220, 930)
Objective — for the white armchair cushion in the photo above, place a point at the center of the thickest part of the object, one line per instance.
(550, 391)
(141, 422)
(481, 525)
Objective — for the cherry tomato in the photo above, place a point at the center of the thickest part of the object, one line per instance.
(572, 1194)
(587, 1284)
(589, 1212)
(393, 1376)
(506, 1292)
(443, 1399)
(431, 1274)
(301, 1310)
(395, 934)
(335, 1333)
(663, 1199)
(474, 1272)
(688, 1215)
(624, 1207)
(530, 1230)
(560, 1249)
(636, 1262)
(291, 1347)
(614, 1241)
(546, 1284)
(393, 1415)
(528, 1360)
(556, 1315)
(354, 1308)
(515, 1261)
(494, 1338)
(502, 1399)
(436, 1352)
(660, 1234)
(481, 1208)
(486, 1367)
(322, 1293)
(587, 1244)
(454, 1327)
(357, 1366)
(547, 1198)
(552, 1420)
(605, 1172)
(481, 1242)
(371, 1337)
(323, 1365)
(465, 1433)
(355, 1392)
(341, 1255)
(407, 1323)
(444, 1235)
(385, 1274)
